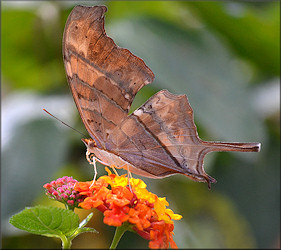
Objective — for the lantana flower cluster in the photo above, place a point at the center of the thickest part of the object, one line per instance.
(62, 190)
(121, 202)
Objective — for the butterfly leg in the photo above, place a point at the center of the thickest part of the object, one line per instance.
(95, 170)
(93, 162)
(114, 169)
(103, 163)
(129, 179)
(112, 166)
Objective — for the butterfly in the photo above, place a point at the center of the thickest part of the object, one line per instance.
(158, 139)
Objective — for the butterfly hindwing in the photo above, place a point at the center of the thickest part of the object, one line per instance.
(161, 138)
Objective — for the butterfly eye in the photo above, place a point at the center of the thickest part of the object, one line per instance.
(92, 144)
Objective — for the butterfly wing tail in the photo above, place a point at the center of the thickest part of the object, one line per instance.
(198, 168)
(234, 146)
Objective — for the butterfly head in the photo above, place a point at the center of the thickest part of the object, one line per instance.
(90, 143)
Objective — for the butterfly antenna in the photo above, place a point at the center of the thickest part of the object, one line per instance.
(64, 123)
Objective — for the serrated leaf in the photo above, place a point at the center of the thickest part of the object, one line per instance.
(47, 221)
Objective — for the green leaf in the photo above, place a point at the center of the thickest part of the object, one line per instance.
(83, 230)
(47, 221)
(86, 220)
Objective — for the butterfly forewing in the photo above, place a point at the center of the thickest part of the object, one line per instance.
(103, 78)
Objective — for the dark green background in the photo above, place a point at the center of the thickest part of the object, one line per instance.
(224, 55)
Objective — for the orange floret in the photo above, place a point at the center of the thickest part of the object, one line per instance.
(144, 211)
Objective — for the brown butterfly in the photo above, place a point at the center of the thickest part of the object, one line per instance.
(158, 139)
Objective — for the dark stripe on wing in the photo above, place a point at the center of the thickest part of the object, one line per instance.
(158, 141)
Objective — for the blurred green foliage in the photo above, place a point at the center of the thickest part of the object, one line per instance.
(31, 52)
(253, 33)
(218, 53)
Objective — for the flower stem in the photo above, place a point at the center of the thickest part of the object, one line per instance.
(118, 234)
(67, 207)
(66, 242)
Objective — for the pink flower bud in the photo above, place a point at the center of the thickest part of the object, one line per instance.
(65, 196)
(62, 190)
(70, 202)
